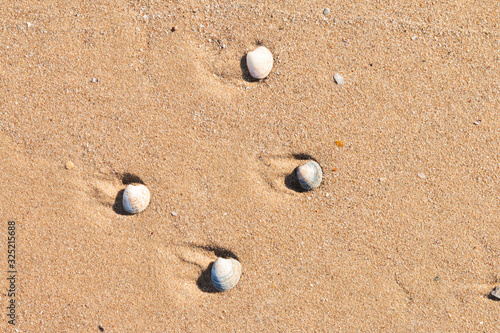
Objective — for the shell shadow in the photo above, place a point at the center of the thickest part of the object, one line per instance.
(204, 281)
(303, 156)
(130, 178)
(118, 205)
(245, 74)
(292, 182)
(217, 250)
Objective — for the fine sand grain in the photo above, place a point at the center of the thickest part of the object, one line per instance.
(159, 90)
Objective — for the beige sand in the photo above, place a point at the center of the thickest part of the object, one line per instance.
(374, 248)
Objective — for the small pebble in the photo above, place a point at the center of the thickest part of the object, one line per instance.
(69, 165)
(174, 214)
(421, 175)
(495, 293)
(477, 122)
(414, 38)
(339, 144)
(326, 11)
(174, 28)
(339, 79)
(94, 80)
(383, 179)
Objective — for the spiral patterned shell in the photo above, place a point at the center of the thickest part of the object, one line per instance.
(260, 62)
(309, 175)
(225, 273)
(135, 198)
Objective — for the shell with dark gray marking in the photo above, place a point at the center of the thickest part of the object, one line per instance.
(225, 273)
(309, 175)
(495, 293)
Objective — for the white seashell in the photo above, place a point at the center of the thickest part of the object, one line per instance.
(135, 198)
(225, 273)
(338, 78)
(309, 175)
(260, 62)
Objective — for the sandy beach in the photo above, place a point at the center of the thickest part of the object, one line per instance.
(401, 235)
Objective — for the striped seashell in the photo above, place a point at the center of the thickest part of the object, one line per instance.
(260, 62)
(135, 198)
(309, 175)
(225, 273)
